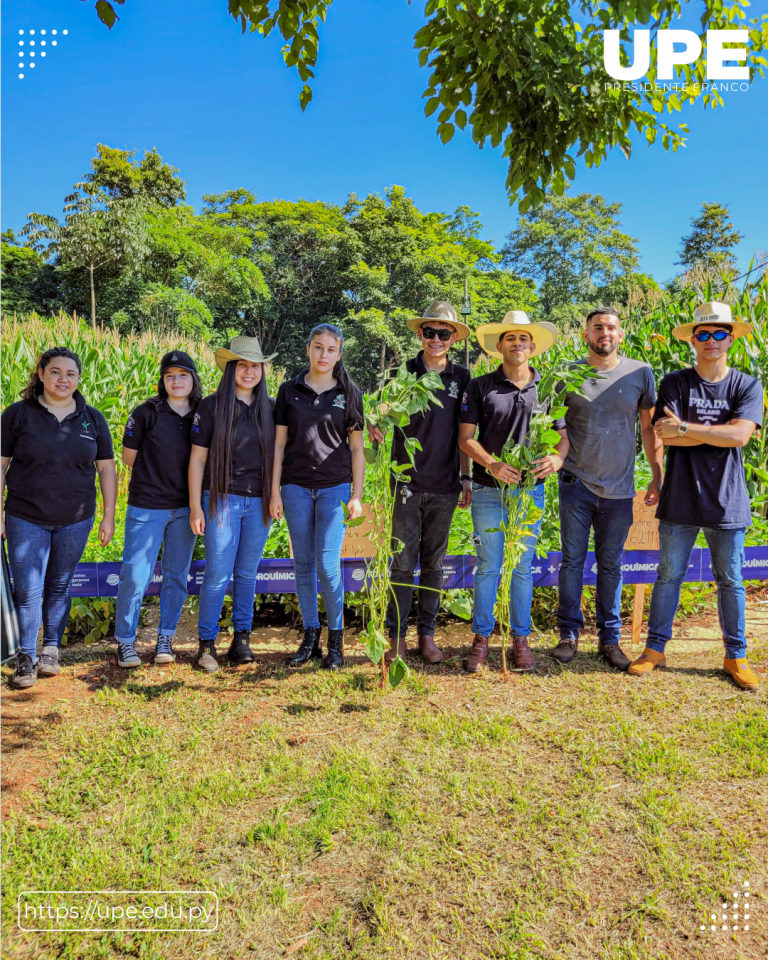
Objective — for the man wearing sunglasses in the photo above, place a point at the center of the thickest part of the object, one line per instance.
(704, 415)
(424, 506)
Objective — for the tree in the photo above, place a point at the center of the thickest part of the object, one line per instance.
(528, 74)
(122, 177)
(98, 232)
(574, 249)
(21, 267)
(709, 244)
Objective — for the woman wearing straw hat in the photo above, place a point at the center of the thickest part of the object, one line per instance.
(704, 415)
(230, 482)
(501, 404)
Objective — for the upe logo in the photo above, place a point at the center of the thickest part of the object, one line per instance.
(669, 58)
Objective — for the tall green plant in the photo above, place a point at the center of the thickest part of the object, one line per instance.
(519, 512)
(393, 405)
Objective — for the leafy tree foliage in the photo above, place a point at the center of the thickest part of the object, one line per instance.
(709, 243)
(122, 177)
(574, 249)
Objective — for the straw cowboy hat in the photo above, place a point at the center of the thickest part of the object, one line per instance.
(444, 312)
(543, 334)
(242, 348)
(716, 313)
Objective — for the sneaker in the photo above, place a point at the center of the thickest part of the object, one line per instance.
(240, 648)
(127, 656)
(742, 675)
(164, 650)
(647, 661)
(206, 656)
(48, 664)
(25, 674)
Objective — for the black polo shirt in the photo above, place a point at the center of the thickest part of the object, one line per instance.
(437, 430)
(163, 440)
(51, 477)
(245, 468)
(502, 411)
(317, 449)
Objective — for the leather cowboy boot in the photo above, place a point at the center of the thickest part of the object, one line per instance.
(475, 662)
(522, 655)
(429, 652)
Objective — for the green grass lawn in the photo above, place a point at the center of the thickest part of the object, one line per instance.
(577, 813)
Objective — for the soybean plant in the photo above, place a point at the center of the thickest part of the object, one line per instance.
(393, 405)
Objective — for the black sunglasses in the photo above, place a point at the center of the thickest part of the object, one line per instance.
(429, 333)
(718, 335)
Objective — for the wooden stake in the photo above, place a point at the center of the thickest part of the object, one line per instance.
(637, 612)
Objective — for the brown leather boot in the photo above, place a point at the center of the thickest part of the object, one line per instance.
(396, 647)
(475, 662)
(614, 655)
(522, 655)
(429, 652)
(565, 651)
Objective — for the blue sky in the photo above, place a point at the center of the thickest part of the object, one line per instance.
(178, 75)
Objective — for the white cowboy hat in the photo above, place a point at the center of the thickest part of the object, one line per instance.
(543, 334)
(716, 313)
(242, 348)
(445, 313)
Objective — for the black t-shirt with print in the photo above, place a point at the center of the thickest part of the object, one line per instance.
(245, 469)
(437, 463)
(705, 486)
(501, 410)
(163, 440)
(317, 451)
(51, 478)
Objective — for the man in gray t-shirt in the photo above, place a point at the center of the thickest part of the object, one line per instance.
(597, 483)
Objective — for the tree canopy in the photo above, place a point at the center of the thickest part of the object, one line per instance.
(709, 243)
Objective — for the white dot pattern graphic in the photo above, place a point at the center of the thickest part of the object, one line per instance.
(31, 53)
(737, 895)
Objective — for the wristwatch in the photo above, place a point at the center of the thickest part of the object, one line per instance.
(465, 476)
(682, 429)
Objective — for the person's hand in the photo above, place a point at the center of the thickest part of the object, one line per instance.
(503, 472)
(466, 494)
(276, 506)
(666, 428)
(355, 507)
(544, 466)
(197, 521)
(653, 493)
(375, 435)
(106, 530)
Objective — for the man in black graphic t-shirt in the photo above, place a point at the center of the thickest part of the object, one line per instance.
(705, 415)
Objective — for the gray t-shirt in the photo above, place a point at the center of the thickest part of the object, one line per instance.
(601, 427)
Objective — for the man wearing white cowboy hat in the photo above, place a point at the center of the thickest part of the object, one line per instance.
(501, 404)
(597, 483)
(704, 415)
(424, 507)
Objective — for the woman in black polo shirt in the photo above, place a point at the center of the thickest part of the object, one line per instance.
(156, 445)
(53, 444)
(318, 451)
(230, 479)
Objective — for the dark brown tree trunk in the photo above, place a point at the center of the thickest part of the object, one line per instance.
(383, 360)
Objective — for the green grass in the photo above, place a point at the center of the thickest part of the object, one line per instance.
(576, 814)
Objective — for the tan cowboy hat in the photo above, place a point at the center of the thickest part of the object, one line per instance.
(717, 313)
(444, 312)
(543, 334)
(242, 348)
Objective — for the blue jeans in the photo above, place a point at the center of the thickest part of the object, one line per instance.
(234, 545)
(581, 509)
(145, 532)
(487, 514)
(727, 552)
(315, 520)
(43, 560)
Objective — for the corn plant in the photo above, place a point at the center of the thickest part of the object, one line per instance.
(393, 405)
(519, 513)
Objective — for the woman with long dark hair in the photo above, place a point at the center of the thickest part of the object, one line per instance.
(53, 445)
(156, 445)
(319, 465)
(230, 482)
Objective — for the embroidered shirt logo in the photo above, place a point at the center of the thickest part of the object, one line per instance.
(84, 425)
(129, 426)
(196, 423)
(340, 401)
(453, 390)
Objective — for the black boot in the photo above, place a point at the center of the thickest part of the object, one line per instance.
(335, 656)
(240, 650)
(308, 650)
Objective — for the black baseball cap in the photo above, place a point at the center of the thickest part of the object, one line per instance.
(177, 358)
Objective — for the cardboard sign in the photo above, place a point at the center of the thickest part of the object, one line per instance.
(644, 532)
(356, 542)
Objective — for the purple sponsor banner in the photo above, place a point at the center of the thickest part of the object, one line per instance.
(276, 576)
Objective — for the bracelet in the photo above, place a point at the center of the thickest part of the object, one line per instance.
(465, 476)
